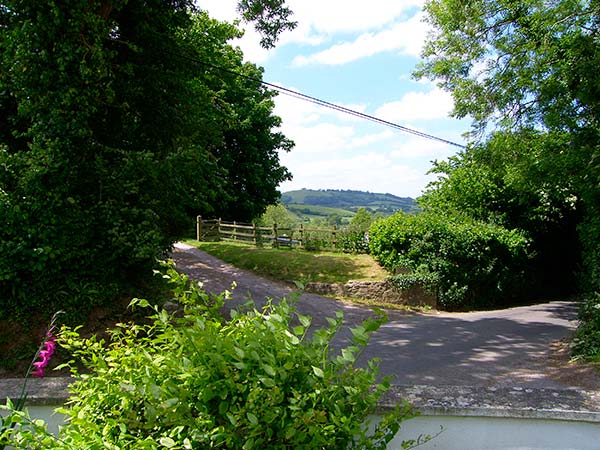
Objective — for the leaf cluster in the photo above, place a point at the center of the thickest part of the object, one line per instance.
(516, 63)
(121, 121)
(526, 69)
(524, 72)
(262, 379)
(467, 263)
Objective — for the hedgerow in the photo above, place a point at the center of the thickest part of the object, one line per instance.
(469, 264)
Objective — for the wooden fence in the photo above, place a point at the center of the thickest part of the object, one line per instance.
(275, 236)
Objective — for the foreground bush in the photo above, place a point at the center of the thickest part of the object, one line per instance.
(261, 380)
(469, 264)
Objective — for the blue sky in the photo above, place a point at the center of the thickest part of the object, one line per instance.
(359, 55)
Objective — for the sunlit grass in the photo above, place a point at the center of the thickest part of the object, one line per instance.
(295, 265)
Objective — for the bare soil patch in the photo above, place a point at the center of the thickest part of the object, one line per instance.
(563, 369)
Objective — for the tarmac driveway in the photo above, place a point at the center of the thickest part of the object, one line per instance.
(503, 348)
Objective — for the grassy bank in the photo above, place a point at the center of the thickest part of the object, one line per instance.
(295, 265)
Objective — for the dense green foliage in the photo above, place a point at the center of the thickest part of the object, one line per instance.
(505, 182)
(468, 263)
(521, 202)
(524, 66)
(263, 379)
(586, 342)
(276, 214)
(115, 132)
(355, 238)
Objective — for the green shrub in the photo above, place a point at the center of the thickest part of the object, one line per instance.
(263, 379)
(316, 241)
(586, 343)
(353, 242)
(421, 277)
(469, 264)
(18, 430)
(355, 238)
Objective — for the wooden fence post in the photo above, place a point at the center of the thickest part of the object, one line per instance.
(333, 237)
(301, 232)
(234, 234)
(275, 242)
(198, 228)
(219, 228)
(254, 233)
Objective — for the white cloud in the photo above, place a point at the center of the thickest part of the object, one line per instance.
(225, 10)
(435, 104)
(337, 151)
(250, 46)
(374, 172)
(319, 20)
(323, 136)
(297, 111)
(371, 139)
(416, 147)
(334, 16)
(328, 17)
(405, 37)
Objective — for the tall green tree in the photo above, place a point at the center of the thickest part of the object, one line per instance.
(276, 214)
(249, 153)
(114, 132)
(527, 67)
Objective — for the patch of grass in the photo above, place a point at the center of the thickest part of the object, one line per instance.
(294, 264)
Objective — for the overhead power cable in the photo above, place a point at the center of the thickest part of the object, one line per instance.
(339, 108)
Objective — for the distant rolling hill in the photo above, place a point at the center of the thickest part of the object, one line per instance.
(323, 202)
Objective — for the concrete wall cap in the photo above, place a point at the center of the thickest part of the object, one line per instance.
(508, 402)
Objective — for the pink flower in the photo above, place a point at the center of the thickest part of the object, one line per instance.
(40, 364)
(50, 346)
(45, 355)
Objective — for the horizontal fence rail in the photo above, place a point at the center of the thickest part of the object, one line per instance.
(275, 236)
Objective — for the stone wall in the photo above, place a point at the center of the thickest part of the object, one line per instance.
(383, 291)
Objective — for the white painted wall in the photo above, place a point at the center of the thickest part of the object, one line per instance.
(492, 433)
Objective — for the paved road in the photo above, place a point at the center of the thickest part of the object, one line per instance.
(504, 348)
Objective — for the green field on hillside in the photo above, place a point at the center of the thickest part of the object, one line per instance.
(311, 213)
(335, 207)
(349, 201)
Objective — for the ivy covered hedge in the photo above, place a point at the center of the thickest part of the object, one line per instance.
(469, 264)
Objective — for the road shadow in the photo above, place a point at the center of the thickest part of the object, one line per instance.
(451, 351)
